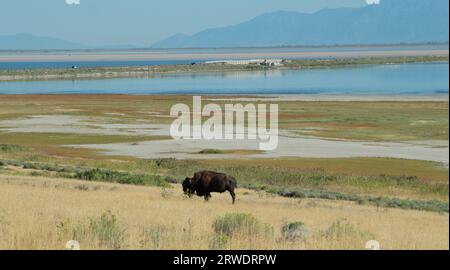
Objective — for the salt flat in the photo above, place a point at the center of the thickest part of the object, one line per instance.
(290, 145)
(165, 56)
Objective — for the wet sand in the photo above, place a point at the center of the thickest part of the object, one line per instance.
(288, 147)
(164, 56)
(289, 144)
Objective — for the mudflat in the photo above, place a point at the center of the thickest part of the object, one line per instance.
(149, 55)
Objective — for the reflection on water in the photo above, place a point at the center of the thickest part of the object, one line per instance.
(409, 79)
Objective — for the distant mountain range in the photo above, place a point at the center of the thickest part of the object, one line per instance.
(31, 42)
(390, 22)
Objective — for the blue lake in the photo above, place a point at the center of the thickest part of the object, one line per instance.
(408, 79)
(159, 56)
(91, 64)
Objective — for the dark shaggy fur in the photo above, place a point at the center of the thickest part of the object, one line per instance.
(206, 182)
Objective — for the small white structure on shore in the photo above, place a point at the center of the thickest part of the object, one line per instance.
(262, 62)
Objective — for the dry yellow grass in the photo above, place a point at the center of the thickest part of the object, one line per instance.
(32, 209)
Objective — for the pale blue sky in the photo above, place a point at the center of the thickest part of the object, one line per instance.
(138, 22)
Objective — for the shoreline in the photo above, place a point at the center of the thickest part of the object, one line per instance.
(337, 98)
(444, 98)
(85, 73)
(165, 56)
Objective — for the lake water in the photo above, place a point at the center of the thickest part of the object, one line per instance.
(152, 57)
(409, 79)
(90, 64)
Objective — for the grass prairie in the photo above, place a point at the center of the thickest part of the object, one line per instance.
(265, 176)
(42, 206)
(112, 216)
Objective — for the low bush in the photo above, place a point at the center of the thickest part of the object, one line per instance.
(154, 236)
(121, 177)
(294, 231)
(107, 230)
(211, 151)
(239, 223)
(431, 205)
(340, 229)
(104, 230)
(219, 242)
(9, 148)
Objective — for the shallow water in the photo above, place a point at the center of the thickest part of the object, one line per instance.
(65, 64)
(409, 79)
(165, 56)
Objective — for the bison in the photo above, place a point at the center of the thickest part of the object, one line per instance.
(205, 182)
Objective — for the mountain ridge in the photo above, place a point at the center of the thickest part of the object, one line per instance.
(26, 41)
(391, 22)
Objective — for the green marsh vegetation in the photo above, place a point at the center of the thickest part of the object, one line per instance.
(428, 196)
(376, 181)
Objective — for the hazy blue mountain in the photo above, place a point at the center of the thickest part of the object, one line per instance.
(392, 21)
(31, 42)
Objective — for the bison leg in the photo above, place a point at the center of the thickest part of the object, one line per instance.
(233, 195)
(207, 197)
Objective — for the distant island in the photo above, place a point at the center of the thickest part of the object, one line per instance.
(42, 74)
(390, 22)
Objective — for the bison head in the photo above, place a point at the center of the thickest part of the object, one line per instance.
(187, 186)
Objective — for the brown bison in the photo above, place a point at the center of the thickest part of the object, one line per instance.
(205, 182)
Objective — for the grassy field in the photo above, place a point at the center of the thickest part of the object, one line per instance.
(112, 216)
(373, 121)
(151, 71)
(402, 191)
(334, 203)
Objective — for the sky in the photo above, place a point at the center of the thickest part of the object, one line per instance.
(139, 22)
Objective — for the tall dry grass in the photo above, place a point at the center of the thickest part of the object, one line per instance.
(43, 213)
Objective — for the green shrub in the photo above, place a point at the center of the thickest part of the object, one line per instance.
(9, 148)
(211, 151)
(105, 230)
(82, 187)
(121, 177)
(294, 231)
(170, 180)
(238, 223)
(154, 236)
(166, 162)
(219, 241)
(34, 173)
(341, 229)
(432, 205)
